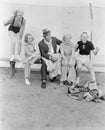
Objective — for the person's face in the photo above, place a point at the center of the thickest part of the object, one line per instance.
(30, 39)
(67, 40)
(84, 38)
(20, 13)
(48, 37)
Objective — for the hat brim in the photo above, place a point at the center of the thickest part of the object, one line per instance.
(46, 33)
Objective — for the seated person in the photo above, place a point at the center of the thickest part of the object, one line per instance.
(84, 48)
(32, 54)
(50, 56)
(68, 74)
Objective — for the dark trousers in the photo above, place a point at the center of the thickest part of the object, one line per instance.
(44, 71)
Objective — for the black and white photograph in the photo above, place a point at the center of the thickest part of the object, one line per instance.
(52, 65)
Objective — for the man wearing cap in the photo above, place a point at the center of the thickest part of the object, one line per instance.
(50, 56)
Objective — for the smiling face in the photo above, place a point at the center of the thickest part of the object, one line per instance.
(19, 13)
(30, 39)
(84, 37)
(67, 39)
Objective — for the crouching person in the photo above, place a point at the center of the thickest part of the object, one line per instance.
(50, 57)
(68, 74)
(31, 56)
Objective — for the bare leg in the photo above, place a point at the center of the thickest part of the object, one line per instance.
(12, 36)
(63, 73)
(90, 68)
(79, 68)
(19, 43)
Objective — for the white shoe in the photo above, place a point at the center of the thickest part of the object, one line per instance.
(12, 58)
(27, 82)
(19, 58)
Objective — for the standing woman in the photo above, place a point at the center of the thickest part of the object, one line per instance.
(16, 30)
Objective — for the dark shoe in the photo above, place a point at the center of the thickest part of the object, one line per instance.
(53, 79)
(67, 83)
(43, 85)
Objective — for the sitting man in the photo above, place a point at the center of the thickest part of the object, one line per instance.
(50, 56)
(84, 48)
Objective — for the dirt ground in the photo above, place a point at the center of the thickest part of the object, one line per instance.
(33, 108)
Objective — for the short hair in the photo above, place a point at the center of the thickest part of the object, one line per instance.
(84, 33)
(26, 37)
(65, 36)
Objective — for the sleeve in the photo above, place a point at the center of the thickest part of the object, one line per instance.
(91, 46)
(58, 41)
(43, 53)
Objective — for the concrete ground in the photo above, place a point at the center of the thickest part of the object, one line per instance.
(33, 108)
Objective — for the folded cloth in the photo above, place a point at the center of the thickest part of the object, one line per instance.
(53, 67)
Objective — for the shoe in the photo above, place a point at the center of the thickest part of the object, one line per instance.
(43, 85)
(27, 82)
(53, 79)
(12, 58)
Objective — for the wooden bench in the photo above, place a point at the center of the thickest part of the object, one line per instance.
(36, 67)
(14, 67)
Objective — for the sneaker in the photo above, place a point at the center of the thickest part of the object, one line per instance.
(43, 85)
(12, 58)
(27, 82)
